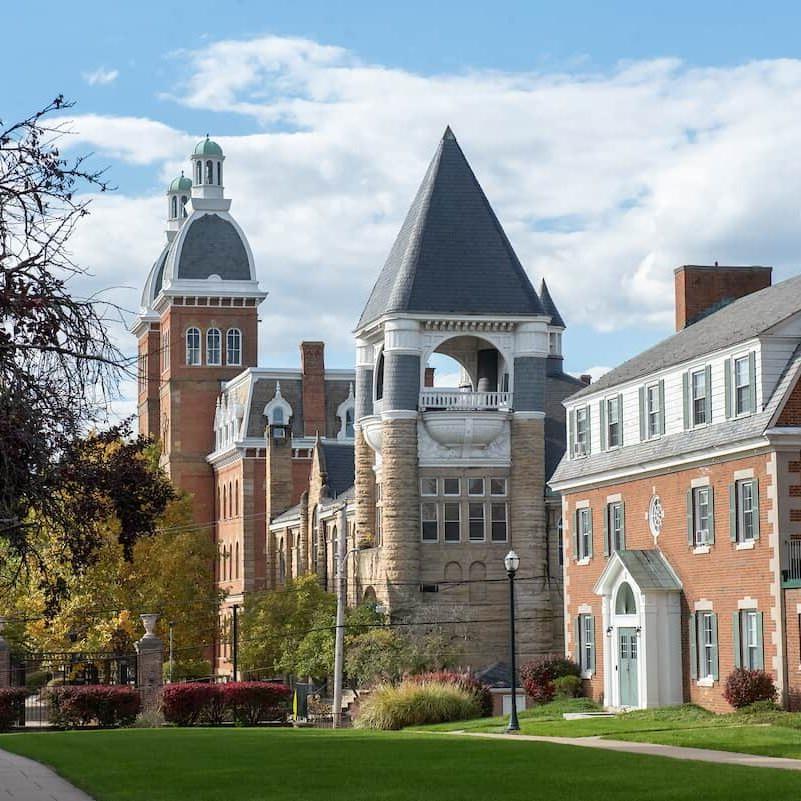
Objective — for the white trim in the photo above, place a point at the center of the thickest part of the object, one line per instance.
(707, 681)
(743, 475)
(748, 603)
(528, 415)
(748, 545)
(583, 561)
(585, 504)
(616, 498)
(703, 605)
(701, 549)
(584, 609)
(703, 481)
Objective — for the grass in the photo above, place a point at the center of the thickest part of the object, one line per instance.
(314, 765)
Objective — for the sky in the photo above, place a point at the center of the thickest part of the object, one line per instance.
(616, 141)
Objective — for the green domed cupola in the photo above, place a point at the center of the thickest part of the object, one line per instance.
(206, 147)
(207, 170)
(180, 184)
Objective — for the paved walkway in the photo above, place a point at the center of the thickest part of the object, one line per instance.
(22, 779)
(652, 749)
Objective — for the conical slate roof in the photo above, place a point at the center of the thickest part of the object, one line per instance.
(451, 255)
(550, 306)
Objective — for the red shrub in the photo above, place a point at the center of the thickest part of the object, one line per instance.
(537, 677)
(462, 680)
(254, 701)
(745, 687)
(108, 705)
(183, 704)
(12, 706)
(215, 710)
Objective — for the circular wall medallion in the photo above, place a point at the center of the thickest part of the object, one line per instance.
(656, 514)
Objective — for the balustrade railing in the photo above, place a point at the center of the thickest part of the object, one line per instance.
(464, 399)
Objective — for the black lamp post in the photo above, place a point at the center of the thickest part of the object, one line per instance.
(512, 562)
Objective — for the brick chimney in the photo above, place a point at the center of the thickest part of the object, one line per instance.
(701, 289)
(312, 365)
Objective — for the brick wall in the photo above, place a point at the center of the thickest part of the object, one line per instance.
(791, 413)
(312, 361)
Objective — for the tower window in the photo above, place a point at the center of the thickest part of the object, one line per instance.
(193, 347)
(209, 172)
(198, 173)
(174, 207)
(234, 346)
(219, 173)
(184, 200)
(213, 346)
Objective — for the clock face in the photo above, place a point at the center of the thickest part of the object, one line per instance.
(656, 515)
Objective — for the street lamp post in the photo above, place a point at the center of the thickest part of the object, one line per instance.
(511, 563)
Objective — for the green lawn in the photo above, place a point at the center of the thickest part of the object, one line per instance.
(308, 765)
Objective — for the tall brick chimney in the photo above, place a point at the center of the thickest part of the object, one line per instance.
(312, 364)
(703, 289)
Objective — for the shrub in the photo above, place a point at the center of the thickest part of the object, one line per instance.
(108, 705)
(463, 680)
(183, 704)
(567, 687)
(410, 703)
(745, 687)
(12, 706)
(215, 711)
(538, 676)
(149, 719)
(254, 701)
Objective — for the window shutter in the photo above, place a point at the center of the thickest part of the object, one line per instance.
(642, 414)
(715, 667)
(602, 418)
(589, 430)
(733, 512)
(662, 406)
(690, 519)
(711, 515)
(752, 379)
(708, 385)
(577, 632)
(727, 383)
(756, 509)
(685, 396)
(589, 517)
(620, 418)
(591, 666)
(623, 525)
(575, 534)
(693, 648)
(735, 639)
(760, 655)
(607, 531)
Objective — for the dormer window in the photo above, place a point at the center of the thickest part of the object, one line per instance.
(581, 431)
(740, 375)
(277, 416)
(652, 410)
(346, 413)
(278, 412)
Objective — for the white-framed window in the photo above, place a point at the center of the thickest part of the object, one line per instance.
(428, 522)
(702, 517)
(498, 487)
(475, 486)
(499, 525)
(698, 397)
(451, 486)
(213, 346)
(745, 514)
(708, 645)
(555, 343)
(233, 354)
(475, 522)
(704, 646)
(615, 527)
(614, 437)
(209, 172)
(581, 437)
(198, 172)
(742, 386)
(583, 533)
(428, 486)
(653, 411)
(585, 643)
(184, 201)
(748, 639)
(174, 207)
(193, 347)
(452, 522)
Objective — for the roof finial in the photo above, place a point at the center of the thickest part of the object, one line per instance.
(448, 133)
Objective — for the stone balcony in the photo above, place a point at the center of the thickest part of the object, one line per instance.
(465, 419)
(432, 399)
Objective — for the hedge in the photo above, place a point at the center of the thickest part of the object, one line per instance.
(244, 702)
(107, 705)
(12, 706)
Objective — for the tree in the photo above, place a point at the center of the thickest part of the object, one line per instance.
(58, 365)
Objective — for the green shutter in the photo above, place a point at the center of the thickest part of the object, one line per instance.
(735, 639)
(708, 385)
(711, 514)
(693, 641)
(589, 517)
(602, 419)
(607, 531)
(727, 383)
(733, 512)
(752, 379)
(642, 414)
(591, 666)
(589, 430)
(577, 638)
(690, 519)
(623, 525)
(662, 406)
(620, 419)
(756, 509)
(572, 433)
(715, 667)
(576, 534)
(760, 656)
(685, 397)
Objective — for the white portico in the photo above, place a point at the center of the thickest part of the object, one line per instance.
(641, 616)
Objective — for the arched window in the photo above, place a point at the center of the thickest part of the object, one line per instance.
(219, 173)
(193, 347)
(478, 586)
(209, 172)
(625, 604)
(236, 562)
(349, 423)
(213, 346)
(174, 207)
(236, 500)
(198, 173)
(225, 502)
(278, 415)
(219, 505)
(234, 345)
(379, 378)
(184, 200)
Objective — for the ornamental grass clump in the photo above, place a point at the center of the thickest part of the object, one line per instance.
(462, 680)
(411, 703)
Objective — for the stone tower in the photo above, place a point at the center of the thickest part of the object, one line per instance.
(197, 324)
(449, 479)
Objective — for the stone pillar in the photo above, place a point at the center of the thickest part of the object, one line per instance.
(365, 491)
(149, 664)
(5, 658)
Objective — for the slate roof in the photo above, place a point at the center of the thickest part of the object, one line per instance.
(451, 255)
(158, 280)
(550, 306)
(740, 321)
(649, 569)
(339, 465)
(212, 246)
(290, 514)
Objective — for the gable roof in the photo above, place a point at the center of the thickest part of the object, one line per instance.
(550, 306)
(648, 569)
(740, 321)
(451, 254)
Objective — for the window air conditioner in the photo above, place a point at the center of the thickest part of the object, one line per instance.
(702, 537)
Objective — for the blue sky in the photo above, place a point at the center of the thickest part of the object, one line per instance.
(615, 140)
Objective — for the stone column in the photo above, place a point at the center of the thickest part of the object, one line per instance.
(365, 491)
(5, 658)
(149, 663)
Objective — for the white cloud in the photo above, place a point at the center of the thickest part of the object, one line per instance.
(101, 76)
(604, 181)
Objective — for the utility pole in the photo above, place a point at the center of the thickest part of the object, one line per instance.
(234, 638)
(339, 642)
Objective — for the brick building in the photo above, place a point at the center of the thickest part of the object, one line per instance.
(681, 501)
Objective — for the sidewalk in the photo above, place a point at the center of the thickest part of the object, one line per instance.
(22, 779)
(652, 749)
